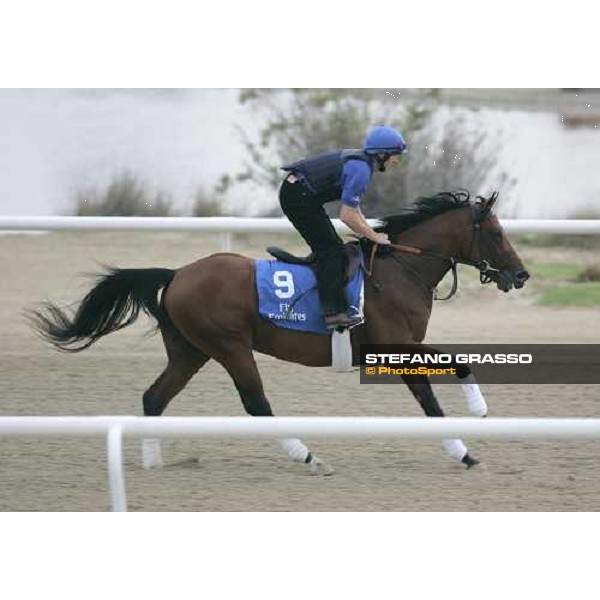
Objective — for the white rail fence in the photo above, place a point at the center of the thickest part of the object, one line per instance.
(113, 428)
(229, 225)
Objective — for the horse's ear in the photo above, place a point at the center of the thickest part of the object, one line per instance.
(489, 203)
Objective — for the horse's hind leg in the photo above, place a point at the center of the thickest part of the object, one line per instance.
(423, 392)
(239, 362)
(184, 361)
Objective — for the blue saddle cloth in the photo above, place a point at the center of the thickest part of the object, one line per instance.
(288, 296)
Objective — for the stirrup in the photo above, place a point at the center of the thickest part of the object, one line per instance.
(341, 351)
(341, 321)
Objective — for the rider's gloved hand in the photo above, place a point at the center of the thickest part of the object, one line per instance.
(382, 239)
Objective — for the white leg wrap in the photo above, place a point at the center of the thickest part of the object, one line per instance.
(151, 454)
(455, 448)
(475, 400)
(294, 448)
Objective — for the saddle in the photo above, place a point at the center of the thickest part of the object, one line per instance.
(352, 252)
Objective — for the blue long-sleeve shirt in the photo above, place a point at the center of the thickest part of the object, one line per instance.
(356, 178)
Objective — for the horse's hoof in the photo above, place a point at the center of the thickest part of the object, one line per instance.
(152, 467)
(318, 467)
(469, 461)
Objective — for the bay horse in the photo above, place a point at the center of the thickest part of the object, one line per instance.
(208, 309)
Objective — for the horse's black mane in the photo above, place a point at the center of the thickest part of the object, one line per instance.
(422, 209)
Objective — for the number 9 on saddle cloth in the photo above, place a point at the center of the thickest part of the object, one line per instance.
(288, 296)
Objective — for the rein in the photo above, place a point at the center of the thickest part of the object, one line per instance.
(487, 274)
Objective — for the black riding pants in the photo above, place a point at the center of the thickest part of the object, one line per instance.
(306, 213)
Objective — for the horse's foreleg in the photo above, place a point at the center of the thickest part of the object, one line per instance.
(422, 391)
(240, 364)
(476, 403)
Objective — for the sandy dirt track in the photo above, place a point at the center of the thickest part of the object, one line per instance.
(60, 474)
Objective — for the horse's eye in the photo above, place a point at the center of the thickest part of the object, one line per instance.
(495, 235)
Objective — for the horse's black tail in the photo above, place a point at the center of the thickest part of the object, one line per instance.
(113, 303)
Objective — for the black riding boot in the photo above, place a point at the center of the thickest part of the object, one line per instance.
(331, 274)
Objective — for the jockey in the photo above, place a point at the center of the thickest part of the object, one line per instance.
(339, 175)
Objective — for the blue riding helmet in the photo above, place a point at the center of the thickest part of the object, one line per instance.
(385, 140)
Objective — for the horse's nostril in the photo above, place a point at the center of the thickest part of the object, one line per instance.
(522, 275)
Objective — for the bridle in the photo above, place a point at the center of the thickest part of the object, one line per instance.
(487, 274)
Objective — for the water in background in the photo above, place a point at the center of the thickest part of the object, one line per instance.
(53, 142)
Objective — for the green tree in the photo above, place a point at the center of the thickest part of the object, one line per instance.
(455, 150)
(301, 122)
